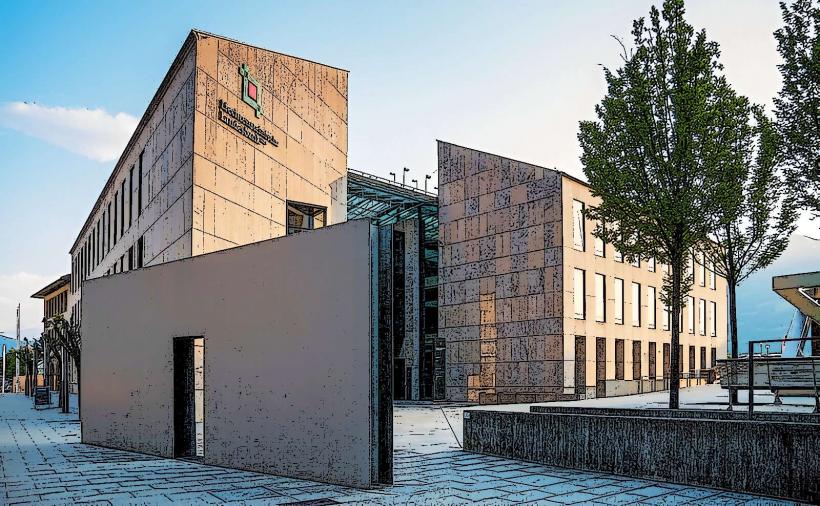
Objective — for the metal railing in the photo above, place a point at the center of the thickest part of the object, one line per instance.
(751, 373)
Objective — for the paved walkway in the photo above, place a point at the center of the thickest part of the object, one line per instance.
(43, 462)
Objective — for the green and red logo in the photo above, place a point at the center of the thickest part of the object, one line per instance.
(251, 91)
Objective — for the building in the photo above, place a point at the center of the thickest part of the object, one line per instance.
(533, 307)
(55, 302)
(239, 144)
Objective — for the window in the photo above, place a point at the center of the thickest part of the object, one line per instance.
(703, 357)
(712, 275)
(578, 232)
(636, 262)
(619, 301)
(680, 358)
(691, 359)
(701, 270)
(108, 230)
(651, 307)
(702, 317)
(302, 217)
(600, 298)
(712, 319)
(131, 197)
(131, 258)
(636, 304)
(139, 186)
(714, 357)
(116, 204)
(665, 317)
(122, 207)
(667, 360)
(636, 360)
(140, 252)
(650, 264)
(690, 313)
(619, 359)
(652, 359)
(600, 245)
(578, 294)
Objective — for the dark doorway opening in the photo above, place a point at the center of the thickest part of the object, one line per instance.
(580, 365)
(189, 433)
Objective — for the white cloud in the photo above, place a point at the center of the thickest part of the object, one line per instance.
(93, 133)
(17, 288)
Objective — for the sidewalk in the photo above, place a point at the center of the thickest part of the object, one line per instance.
(43, 462)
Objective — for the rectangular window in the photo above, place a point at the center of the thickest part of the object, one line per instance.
(714, 357)
(651, 309)
(712, 319)
(578, 231)
(302, 217)
(636, 360)
(122, 207)
(690, 312)
(122, 262)
(667, 360)
(701, 269)
(702, 317)
(665, 317)
(139, 186)
(600, 245)
(108, 229)
(703, 358)
(712, 275)
(636, 304)
(636, 262)
(140, 252)
(116, 206)
(691, 359)
(131, 258)
(680, 358)
(652, 359)
(650, 264)
(600, 298)
(579, 294)
(619, 301)
(619, 359)
(131, 197)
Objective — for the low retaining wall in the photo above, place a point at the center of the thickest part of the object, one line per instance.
(776, 458)
(739, 413)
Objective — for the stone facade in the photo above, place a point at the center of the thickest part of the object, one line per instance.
(500, 277)
(205, 186)
(527, 298)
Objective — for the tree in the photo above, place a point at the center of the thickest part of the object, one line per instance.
(660, 154)
(797, 106)
(70, 339)
(54, 349)
(756, 232)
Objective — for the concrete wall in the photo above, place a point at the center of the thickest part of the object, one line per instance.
(763, 457)
(288, 364)
(241, 187)
(500, 278)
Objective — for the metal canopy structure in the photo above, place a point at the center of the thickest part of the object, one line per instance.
(387, 202)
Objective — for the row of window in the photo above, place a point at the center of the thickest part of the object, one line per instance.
(56, 305)
(580, 309)
(696, 260)
(637, 371)
(110, 227)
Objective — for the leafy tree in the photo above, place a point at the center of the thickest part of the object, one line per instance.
(660, 154)
(755, 233)
(798, 103)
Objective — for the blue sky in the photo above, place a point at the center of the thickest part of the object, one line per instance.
(508, 77)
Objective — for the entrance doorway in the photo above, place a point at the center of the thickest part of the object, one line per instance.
(600, 367)
(581, 366)
(189, 397)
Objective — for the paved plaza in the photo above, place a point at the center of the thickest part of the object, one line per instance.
(43, 462)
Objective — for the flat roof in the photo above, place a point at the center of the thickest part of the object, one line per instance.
(801, 291)
(52, 287)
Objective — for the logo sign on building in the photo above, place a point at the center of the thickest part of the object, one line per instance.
(251, 91)
(243, 125)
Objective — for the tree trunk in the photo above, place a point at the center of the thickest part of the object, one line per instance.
(733, 337)
(674, 352)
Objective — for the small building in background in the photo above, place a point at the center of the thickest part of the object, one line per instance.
(55, 302)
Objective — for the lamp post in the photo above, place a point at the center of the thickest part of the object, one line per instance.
(394, 176)
(403, 174)
(426, 178)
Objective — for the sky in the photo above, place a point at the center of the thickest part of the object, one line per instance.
(512, 78)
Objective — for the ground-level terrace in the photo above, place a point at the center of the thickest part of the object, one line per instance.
(43, 462)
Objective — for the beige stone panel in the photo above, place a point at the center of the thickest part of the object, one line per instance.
(262, 202)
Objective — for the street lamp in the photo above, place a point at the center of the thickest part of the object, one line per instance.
(394, 176)
(426, 178)
(406, 170)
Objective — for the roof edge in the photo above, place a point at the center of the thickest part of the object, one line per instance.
(54, 285)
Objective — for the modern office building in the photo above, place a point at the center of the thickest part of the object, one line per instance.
(55, 302)
(533, 307)
(239, 144)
